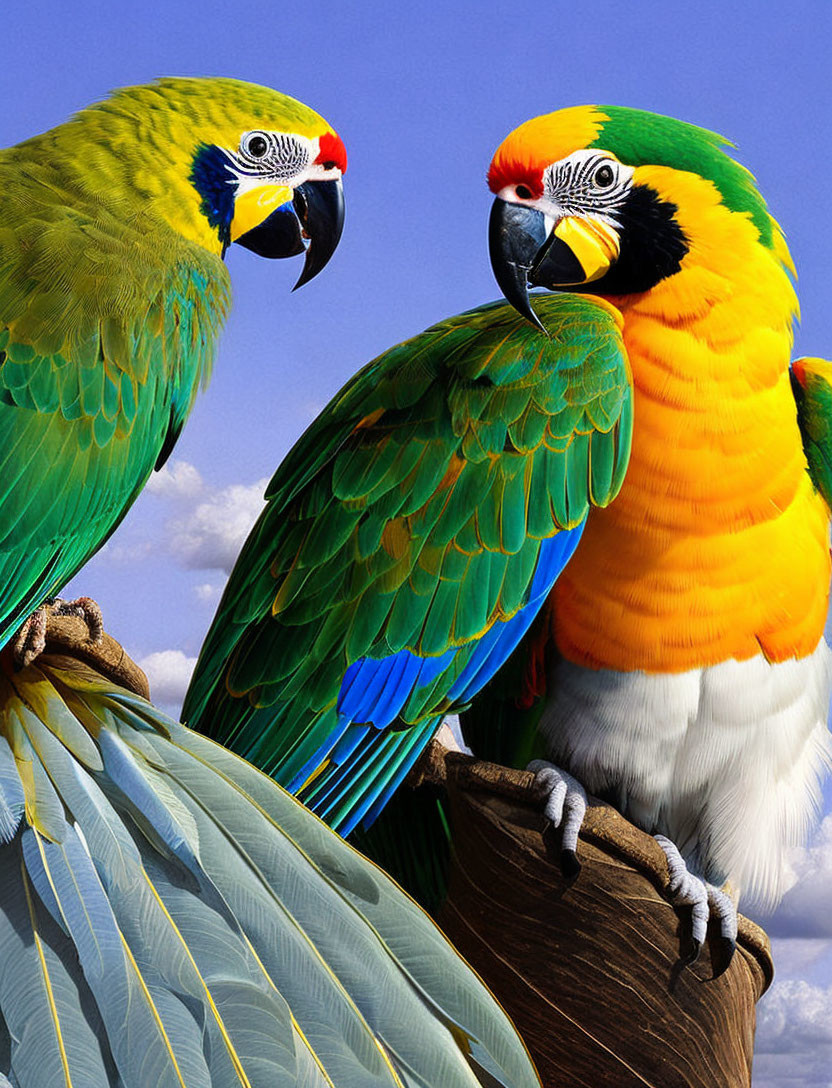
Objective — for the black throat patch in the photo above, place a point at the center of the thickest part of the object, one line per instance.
(652, 245)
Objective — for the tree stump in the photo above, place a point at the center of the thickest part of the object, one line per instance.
(589, 969)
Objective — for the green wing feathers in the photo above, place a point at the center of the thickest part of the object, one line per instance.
(410, 516)
(104, 339)
(812, 387)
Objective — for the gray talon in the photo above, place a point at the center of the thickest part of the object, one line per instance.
(705, 900)
(564, 803)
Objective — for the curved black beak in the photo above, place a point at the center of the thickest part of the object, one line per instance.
(313, 224)
(516, 234)
(320, 208)
(523, 251)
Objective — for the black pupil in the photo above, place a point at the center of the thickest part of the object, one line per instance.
(329, 165)
(523, 191)
(604, 176)
(257, 146)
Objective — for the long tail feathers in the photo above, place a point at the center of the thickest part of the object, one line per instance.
(171, 917)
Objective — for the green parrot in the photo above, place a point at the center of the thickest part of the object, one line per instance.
(408, 541)
(113, 289)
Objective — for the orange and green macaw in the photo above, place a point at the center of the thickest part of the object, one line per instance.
(425, 526)
(679, 666)
(113, 289)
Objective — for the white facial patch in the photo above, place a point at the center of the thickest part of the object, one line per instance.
(281, 158)
(586, 183)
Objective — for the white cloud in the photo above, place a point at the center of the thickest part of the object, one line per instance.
(198, 526)
(801, 957)
(122, 554)
(794, 1037)
(169, 673)
(211, 534)
(207, 592)
(805, 911)
(795, 1016)
(176, 480)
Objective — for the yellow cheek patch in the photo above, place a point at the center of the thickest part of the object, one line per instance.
(595, 244)
(255, 205)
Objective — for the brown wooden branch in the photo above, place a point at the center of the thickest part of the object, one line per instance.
(68, 636)
(589, 970)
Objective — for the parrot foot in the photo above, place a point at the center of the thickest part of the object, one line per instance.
(706, 901)
(564, 803)
(30, 641)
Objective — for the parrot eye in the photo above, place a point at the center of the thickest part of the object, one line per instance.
(281, 156)
(254, 145)
(329, 165)
(603, 177)
(524, 192)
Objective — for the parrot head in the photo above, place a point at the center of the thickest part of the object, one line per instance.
(220, 161)
(616, 202)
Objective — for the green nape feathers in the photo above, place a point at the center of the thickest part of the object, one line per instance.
(638, 138)
(112, 293)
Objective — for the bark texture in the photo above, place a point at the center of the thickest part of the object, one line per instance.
(68, 636)
(589, 970)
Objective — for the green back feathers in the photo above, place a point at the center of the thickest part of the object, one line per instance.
(639, 138)
(108, 321)
(411, 516)
(84, 418)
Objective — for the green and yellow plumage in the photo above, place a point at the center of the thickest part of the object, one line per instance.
(406, 526)
(112, 292)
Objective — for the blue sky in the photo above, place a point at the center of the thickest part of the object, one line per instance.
(422, 93)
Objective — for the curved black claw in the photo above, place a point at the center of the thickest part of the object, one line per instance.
(723, 954)
(690, 950)
(570, 867)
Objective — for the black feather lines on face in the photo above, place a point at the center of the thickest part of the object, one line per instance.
(570, 186)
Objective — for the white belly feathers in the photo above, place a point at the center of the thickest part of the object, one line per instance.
(725, 760)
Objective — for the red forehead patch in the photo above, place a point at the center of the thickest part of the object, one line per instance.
(526, 152)
(506, 171)
(332, 151)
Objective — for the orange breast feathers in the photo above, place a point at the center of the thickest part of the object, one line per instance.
(717, 546)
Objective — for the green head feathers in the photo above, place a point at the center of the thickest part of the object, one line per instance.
(641, 138)
(142, 153)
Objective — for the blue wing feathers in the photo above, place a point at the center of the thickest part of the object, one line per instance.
(12, 800)
(364, 765)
